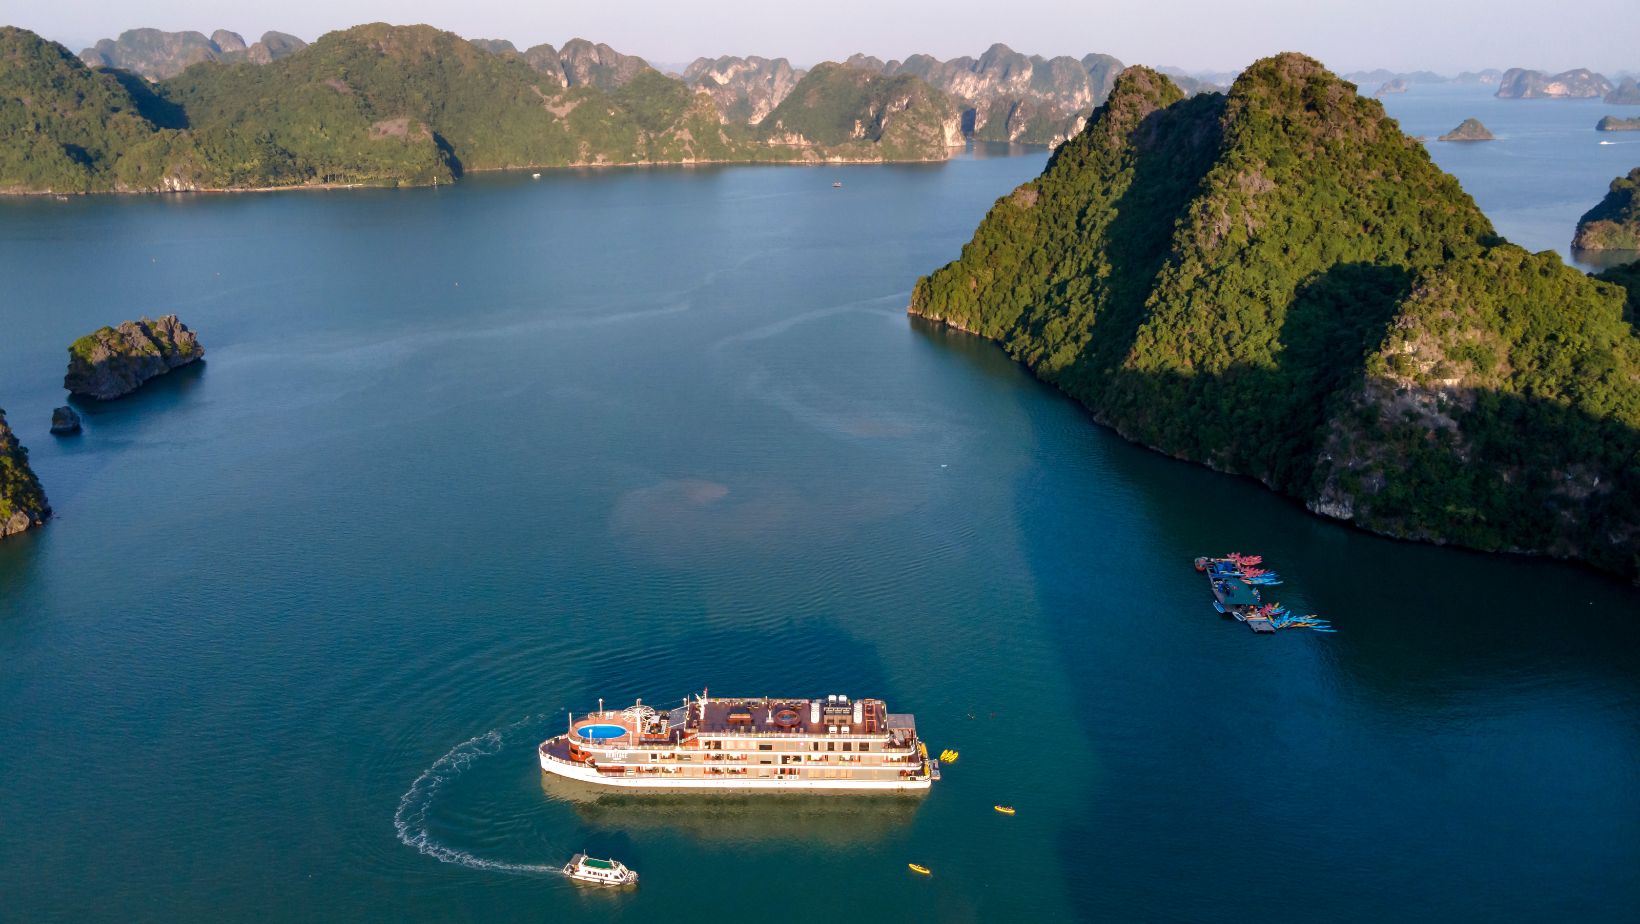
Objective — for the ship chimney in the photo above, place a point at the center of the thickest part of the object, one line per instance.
(814, 712)
(859, 712)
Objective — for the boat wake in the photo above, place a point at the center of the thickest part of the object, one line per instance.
(411, 818)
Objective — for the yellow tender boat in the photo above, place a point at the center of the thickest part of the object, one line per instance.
(920, 869)
(1004, 809)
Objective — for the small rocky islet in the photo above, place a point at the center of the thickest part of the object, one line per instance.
(113, 361)
(106, 364)
(65, 421)
(1468, 130)
(1617, 124)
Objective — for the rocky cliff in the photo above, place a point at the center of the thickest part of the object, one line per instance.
(838, 112)
(1277, 282)
(160, 55)
(1007, 96)
(1468, 130)
(586, 64)
(114, 361)
(1614, 223)
(1616, 124)
(1582, 83)
(22, 502)
(745, 90)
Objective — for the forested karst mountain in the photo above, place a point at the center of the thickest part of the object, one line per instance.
(1277, 282)
(158, 55)
(382, 104)
(1008, 96)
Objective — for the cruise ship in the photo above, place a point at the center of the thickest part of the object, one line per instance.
(831, 743)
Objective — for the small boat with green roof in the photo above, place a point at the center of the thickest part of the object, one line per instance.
(583, 868)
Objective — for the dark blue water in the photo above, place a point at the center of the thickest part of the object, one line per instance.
(462, 458)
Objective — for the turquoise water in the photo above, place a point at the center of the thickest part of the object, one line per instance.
(461, 460)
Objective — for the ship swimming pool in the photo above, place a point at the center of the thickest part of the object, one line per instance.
(601, 732)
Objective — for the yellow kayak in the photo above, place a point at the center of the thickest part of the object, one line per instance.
(1004, 809)
(923, 870)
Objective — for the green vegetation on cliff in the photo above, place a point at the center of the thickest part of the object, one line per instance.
(65, 127)
(388, 105)
(1614, 223)
(1236, 279)
(846, 110)
(22, 502)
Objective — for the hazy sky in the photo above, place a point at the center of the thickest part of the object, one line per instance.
(1441, 35)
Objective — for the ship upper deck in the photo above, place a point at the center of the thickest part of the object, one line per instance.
(796, 717)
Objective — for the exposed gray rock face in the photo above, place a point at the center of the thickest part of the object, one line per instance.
(745, 90)
(1008, 96)
(544, 58)
(160, 55)
(114, 361)
(227, 41)
(586, 64)
(272, 47)
(64, 421)
(1582, 83)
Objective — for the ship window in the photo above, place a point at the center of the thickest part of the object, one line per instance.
(848, 745)
(654, 757)
(816, 746)
(865, 745)
(831, 745)
(765, 747)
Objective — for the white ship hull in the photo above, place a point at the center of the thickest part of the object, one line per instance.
(588, 774)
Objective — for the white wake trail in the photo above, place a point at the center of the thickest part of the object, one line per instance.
(411, 818)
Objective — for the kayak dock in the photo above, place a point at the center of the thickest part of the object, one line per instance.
(1235, 580)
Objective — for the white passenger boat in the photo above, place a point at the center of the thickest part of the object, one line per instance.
(788, 744)
(583, 868)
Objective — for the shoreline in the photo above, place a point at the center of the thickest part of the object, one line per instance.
(319, 187)
(1305, 504)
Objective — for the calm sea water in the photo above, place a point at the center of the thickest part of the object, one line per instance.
(1546, 169)
(462, 458)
